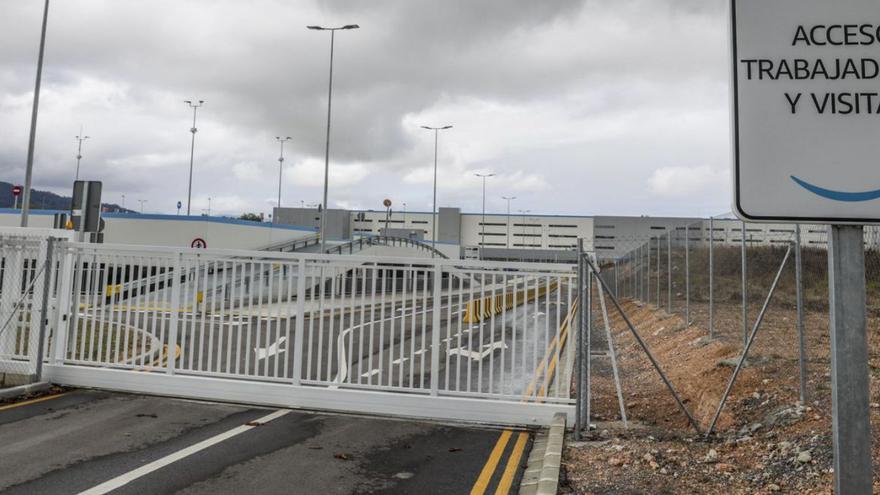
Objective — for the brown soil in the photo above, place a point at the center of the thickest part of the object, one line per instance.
(761, 431)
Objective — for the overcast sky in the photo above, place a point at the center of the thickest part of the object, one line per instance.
(579, 107)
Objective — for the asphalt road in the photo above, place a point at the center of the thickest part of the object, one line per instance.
(88, 440)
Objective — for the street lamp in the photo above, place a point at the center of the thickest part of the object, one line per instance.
(483, 230)
(329, 106)
(280, 165)
(142, 201)
(404, 215)
(123, 201)
(508, 199)
(192, 150)
(29, 170)
(434, 204)
(523, 239)
(209, 206)
(79, 148)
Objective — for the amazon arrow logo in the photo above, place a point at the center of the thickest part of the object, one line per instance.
(838, 195)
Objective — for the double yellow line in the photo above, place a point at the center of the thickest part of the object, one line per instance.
(513, 461)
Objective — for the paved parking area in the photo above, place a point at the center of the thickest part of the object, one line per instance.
(101, 442)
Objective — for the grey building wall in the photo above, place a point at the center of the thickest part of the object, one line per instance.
(338, 221)
(449, 225)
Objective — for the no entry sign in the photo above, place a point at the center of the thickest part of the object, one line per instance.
(16, 190)
(806, 110)
(199, 243)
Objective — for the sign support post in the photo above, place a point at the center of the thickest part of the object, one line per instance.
(849, 361)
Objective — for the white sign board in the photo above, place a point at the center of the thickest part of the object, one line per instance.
(806, 110)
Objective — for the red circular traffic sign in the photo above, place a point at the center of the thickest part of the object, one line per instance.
(16, 190)
(199, 243)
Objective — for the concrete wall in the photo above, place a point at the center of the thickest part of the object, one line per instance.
(525, 231)
(175, 231)
(338, 221)
(449, 225)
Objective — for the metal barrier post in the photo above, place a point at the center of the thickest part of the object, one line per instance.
(669, 272)
(658, 271)
(44, 308)
(648, 272)
(300, 321)
(175, 313)
(579, 356)
(435, 330)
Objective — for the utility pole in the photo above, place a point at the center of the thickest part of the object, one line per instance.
(508, 199)
(434, 203)
(483, 222)
(329, 106)
(192, 151)
(29, 170)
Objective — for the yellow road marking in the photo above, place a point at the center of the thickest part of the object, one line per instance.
(32, 401)
(513, 461)
(512, 465)
(489, 469)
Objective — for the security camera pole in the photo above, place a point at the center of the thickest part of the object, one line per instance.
(79, 148)
(192, 151)
(327, 146)
(280, 168)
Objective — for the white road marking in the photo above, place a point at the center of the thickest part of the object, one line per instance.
(371, 373)
(477, 356)
(400, 360)
(271, 350)
(146, 469)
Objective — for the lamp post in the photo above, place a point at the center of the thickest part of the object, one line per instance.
(142, 201)
(434, 203)
(280, 165)
(192, 150)
(483, 230)
(29, 170)
(123, 201)
(209, 206)
(404, 215)
(329, 106)
(79, 148)
(523, 239)
(508, 199)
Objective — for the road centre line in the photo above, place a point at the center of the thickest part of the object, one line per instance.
(146, 469)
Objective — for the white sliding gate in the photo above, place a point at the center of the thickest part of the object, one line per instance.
(445, 339)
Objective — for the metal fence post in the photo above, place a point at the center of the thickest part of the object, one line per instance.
(658, 271)
(44, 308)
(669, 271)
(647, 271)
(300, 321)
(435, 332)
(745, 302)
(615, 276)
(687, 276)
(850, 419)
(579, 356)
(62, 302)
(711, 278)
(588, 351)
(175, 313)
(802, 347)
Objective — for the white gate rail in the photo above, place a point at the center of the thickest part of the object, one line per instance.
(447, 339)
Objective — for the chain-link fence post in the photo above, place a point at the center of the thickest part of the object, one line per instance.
(648, 271)
(579, 355)
(669, 272)
(711, 278)
(658, 270)
(687, 276)
(802, 347)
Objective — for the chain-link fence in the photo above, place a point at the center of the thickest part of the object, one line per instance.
(716, 275)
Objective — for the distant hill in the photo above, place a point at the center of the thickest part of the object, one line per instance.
(45, 200)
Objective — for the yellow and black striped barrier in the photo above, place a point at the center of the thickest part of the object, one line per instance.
(479, 309)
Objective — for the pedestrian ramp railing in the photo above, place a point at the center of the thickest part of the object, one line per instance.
(391, 336)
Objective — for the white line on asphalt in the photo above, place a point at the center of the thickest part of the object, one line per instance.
(146, 469)
(263, 353)
(371, 373)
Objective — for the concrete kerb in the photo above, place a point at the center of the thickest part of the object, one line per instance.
(13, 392)
(541, 476)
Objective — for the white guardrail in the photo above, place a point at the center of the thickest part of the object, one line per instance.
(451, 339)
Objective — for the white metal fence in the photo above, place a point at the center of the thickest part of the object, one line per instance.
(450, 339)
